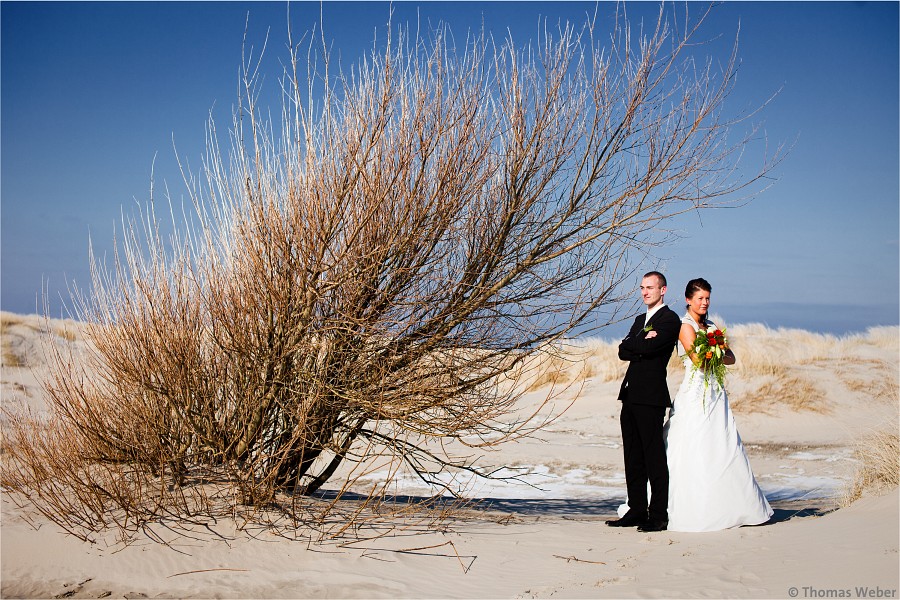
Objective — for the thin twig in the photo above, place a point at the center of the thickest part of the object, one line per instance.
(207, 571)
(576, 559)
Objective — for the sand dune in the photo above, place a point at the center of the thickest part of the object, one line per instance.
(546, 539)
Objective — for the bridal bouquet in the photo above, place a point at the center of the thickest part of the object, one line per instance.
(709, 348)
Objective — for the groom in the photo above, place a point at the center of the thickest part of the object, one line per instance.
(645, 397)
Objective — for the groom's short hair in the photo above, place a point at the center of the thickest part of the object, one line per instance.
(658, 275)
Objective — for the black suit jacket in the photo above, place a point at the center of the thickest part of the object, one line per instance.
(645, 380)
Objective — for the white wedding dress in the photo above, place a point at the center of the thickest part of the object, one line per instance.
(711, 485)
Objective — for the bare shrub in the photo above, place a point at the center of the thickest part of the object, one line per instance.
(354, 282)
(879, 458)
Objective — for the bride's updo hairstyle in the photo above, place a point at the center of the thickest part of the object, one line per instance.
(695, 285)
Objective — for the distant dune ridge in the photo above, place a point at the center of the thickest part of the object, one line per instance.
(817, 413)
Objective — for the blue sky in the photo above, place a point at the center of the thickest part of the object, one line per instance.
(92, 92)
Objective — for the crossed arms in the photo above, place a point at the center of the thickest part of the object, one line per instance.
(642, 344)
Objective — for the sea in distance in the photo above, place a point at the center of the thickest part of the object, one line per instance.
(833, 319)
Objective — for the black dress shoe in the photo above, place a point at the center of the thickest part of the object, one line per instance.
(629, 520)
(653, 525)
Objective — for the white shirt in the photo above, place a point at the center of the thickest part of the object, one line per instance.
(652, 312)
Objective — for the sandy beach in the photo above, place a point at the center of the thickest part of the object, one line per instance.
(543, 537)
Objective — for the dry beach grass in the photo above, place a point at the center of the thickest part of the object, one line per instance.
(878, 454)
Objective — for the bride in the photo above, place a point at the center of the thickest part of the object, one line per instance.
(711, 485)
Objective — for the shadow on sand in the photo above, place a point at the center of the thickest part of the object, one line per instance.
(582, 508)
(786, 510)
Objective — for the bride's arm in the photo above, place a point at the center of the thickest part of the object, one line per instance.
(686, 336)
(729, 358)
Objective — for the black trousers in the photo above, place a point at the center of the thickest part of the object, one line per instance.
(645, 459)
